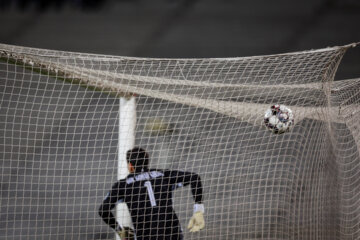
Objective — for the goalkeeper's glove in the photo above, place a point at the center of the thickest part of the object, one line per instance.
(125, 233)
(197, 221)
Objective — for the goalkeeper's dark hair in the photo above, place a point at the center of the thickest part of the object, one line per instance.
(138, 158)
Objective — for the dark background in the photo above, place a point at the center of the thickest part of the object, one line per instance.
(185, 28)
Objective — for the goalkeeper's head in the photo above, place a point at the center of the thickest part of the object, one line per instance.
(138, 160)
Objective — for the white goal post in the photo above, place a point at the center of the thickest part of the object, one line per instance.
(67, 120)
(127, 123)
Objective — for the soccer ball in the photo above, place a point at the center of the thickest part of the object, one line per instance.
(279, 119)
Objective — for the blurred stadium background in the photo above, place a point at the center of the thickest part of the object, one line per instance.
(157, 28)
(184, 28)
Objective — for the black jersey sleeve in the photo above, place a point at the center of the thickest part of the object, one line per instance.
(115, 195)
(178, 178)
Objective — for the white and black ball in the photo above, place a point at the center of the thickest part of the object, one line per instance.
(279, 119)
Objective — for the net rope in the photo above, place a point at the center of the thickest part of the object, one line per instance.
(59, 121)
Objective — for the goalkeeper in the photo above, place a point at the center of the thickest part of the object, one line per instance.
(148, 195)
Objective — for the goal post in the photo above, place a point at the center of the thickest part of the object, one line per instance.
(67, 120)
(127, 123)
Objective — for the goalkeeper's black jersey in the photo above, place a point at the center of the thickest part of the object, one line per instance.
(148, 196)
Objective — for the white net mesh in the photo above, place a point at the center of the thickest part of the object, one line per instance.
(59, 141)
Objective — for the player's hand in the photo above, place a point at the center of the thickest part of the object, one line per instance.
(197, 222)
(126, 233)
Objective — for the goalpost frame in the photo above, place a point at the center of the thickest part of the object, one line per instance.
(127, 123)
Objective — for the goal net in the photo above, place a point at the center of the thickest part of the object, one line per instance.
(59, 141)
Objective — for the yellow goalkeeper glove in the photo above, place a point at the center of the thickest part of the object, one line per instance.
(126, 233)
(197, 221)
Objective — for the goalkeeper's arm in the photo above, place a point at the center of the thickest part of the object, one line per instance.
(125, 233)
(197, 221)
(105, 211)
(109, 203)
(107, 216)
